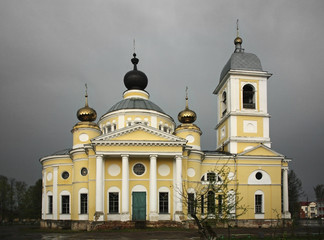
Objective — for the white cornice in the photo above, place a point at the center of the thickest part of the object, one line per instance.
(137, 143)
(248, 113)
(238, 73)
(53, 157)
(139, 153)
(243, 154)
(137, 127)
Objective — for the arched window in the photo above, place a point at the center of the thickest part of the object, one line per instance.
(248, 96)
(224, 104)
(259, 202)
(211, 177)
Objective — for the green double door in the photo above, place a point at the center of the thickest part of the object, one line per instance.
(139, 206)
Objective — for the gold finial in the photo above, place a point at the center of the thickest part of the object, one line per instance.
(187, 97)
(134, 44)
(86, 94)
(238, 41)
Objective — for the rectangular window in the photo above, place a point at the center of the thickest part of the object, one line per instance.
(83, 203)
(211, 177)
(113, 202)
(50, 205)
(220, 202)
(211, 203)
(164, 202)
(191, 203)
(65, 204)
(202, 205)
(258, 203)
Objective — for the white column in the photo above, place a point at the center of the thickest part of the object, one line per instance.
(99, 215)
(178, 193)
(153, 189)
(55, 172)
(286, 213)
(125, 188)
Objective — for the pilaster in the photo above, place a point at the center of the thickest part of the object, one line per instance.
(99, 215)
(125, 188)
(153, 189)
(178, 215)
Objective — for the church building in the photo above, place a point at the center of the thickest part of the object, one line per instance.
(137, 164)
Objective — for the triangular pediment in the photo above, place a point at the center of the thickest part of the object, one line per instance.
(138, 133)
(261, 150)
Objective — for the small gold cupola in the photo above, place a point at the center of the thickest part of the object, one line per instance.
(187, 129)
(86, 129)
(187, 115)
(86, 114)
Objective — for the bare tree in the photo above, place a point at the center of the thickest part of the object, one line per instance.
(213, 201)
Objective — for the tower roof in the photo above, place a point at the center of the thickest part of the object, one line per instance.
(241, 60)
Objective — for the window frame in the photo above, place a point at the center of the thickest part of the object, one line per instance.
(259, 203)
(191, 204)
(249, 96)
(164, 203)
(65, 204)
(113, 202)
(49, 204)
(84, 204)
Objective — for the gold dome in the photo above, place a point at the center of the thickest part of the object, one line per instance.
(238, 40)
(86, 114)
(187, 115)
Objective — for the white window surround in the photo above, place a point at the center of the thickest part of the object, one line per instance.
(231, 199)
(113, 216)
(164, 216)
(65, 216)
(259, 215)
(255, 95)
(82, 216)
(265, 180)
(141, 174)
(139, 188)
(216, 177)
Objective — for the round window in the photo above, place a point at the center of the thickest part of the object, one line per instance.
(139, 169)
(84, 171)
(258, 175)
(65, 175)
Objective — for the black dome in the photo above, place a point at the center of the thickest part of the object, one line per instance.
(135, 79)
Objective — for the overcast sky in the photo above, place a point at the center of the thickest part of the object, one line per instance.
(50, 49)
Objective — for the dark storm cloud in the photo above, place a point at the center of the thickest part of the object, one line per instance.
(49, 49)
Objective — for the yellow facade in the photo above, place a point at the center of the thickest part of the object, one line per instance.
(136, 164)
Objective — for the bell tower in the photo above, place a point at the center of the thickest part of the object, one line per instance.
(242, 119)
